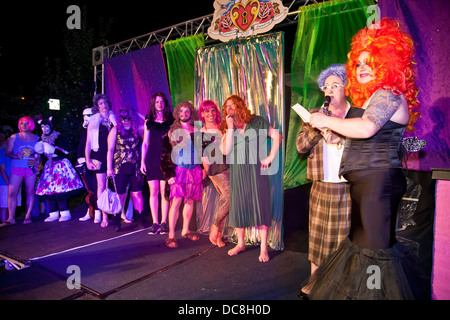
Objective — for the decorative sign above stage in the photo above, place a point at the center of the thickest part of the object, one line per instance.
(242, 18)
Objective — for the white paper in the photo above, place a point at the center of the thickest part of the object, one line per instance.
(302, 112)
(305, 115)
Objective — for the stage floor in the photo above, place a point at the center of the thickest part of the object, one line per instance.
(132, 265)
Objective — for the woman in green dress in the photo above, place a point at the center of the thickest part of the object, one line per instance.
(245, 143)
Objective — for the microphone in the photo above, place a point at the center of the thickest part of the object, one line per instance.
(326, 104)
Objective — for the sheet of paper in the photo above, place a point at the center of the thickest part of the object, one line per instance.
(302, 112)
(305, 115)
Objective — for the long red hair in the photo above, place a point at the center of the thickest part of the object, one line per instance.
(391, 51)
(243, 113)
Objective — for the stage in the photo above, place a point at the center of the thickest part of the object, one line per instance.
(132, 265)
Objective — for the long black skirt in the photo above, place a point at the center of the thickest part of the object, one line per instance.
(370, 264)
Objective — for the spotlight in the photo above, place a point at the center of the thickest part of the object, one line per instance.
(97, 56)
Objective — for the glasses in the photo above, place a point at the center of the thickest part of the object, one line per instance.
(125, 119)
(333, 87)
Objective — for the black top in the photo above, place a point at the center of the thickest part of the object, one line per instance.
(383, 150)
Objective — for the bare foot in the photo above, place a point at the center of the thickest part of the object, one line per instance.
(264, 257)
(220, 243)
(236, 250)
(213, 234)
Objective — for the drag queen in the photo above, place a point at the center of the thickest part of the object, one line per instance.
(250, 192)
(370, 264)
(216, 168)
(59, 180)
(97, 147)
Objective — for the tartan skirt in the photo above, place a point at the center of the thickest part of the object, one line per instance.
(329, 219)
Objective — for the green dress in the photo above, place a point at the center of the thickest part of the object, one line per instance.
(250, 196)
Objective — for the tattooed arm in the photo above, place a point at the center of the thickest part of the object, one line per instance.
(383, 107)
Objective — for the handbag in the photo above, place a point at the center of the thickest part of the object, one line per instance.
(109, 201)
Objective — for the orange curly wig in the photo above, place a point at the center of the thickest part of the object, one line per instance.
(242, 112)
(391, 51)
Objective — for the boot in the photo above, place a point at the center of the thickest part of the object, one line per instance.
(65, 216)
(87, 217)
(53, 216)
(98, 216)
(139, 218)
(117, 221)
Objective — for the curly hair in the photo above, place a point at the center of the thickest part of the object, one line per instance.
(176, 115)
(391, 51)
(243, 113)
(96, 99)
(333, 70)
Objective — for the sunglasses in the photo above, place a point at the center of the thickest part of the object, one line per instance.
(125, 119)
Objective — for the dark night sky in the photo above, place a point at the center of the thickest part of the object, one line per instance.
(31, 32)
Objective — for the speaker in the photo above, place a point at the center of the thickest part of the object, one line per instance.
(97, 56)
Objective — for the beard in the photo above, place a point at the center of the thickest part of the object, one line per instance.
(185, 120)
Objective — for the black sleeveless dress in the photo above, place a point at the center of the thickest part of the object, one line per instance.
(153, 158)
(370, 264)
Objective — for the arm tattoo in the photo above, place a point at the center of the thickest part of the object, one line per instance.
(382, 107)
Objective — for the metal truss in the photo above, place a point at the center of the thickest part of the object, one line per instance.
(181, 30)
(185, 29)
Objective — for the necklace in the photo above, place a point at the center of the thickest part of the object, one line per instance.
(50, 139)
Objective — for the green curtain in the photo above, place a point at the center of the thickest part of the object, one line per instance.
(180, 55)
(323, 38)
(254, 69)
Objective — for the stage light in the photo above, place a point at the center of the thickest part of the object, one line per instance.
(97, 56)
(55, 104)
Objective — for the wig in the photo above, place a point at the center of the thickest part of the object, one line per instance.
(96, 99)
(333, 70)
(206, 105)
(391, 51)
(243, 113)
(177, 123)
(128, 112)
(47, 122)
(151, 115)
(30, 120)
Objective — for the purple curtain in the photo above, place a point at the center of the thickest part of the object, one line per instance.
(427, 22)
(134, 77)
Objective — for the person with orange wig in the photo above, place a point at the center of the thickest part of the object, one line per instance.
(370, 264)
(250, 193)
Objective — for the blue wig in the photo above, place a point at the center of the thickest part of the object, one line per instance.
(333, 70)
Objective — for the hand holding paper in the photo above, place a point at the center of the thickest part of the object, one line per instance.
(302, 112)
(305, 115)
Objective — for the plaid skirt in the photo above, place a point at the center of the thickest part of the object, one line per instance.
(329, 219)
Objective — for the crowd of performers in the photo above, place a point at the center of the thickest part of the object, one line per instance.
(172, 155)
(355, 163)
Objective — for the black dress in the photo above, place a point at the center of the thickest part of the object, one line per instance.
(102, 152)
(370, 264)
(153, 158)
